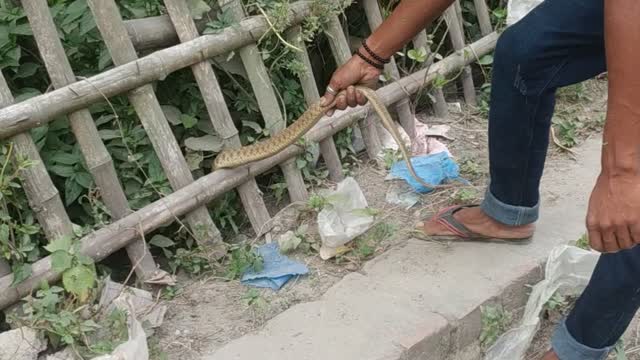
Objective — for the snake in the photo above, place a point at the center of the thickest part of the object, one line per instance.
(233, 157)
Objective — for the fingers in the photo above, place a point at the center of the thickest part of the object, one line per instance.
(361, 100)
(623, 237)
(351, 96)
(595, 241)
(609, 241)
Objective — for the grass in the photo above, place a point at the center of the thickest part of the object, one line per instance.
(494, 323)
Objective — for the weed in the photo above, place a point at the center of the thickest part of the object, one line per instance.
(556, 303)
(583, 242)
(494, 322)
(465, 195)
(192, 261)
(170, 292)
(470, 167)
(317, 202)
(567, 132)
(241, 259)
(366, 245)
(390, 157)
(253, 298)
(573, 93)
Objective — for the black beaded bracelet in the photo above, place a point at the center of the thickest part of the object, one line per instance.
(374, 64)
(374, 55)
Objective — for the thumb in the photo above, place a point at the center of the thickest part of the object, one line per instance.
(330, 95)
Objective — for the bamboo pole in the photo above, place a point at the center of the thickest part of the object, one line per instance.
(440, 104)
(402, 107)
(157, 32)
(114, 236)
(95, 153)
(484, 19)
(312, 95)
(42, 195)
(218, 113)
(156, 66)
(457, 39)
(267, 100)
(341, 53)
(153, 120)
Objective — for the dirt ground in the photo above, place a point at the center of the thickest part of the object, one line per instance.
(210, 312)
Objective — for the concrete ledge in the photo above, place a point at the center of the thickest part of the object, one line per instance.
(422, 300)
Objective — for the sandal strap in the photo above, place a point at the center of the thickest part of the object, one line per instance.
(447, 219)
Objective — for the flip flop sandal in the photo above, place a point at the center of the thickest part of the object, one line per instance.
(461, 233)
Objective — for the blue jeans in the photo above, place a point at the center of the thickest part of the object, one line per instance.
(559, 43)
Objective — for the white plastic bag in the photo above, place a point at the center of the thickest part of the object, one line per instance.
(517, 9)
(345, 217)
(568, 271)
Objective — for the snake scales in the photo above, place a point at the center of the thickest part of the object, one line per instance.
(230, 158)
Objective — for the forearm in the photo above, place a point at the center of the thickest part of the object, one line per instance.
(621, 150)
(404, 23)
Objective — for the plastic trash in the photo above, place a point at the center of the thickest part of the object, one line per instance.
(402, 195)
(136, 347)
(345, 218)
(145, 305)
(277, 269)
(432, 169)
(517, 9)
(567, 272)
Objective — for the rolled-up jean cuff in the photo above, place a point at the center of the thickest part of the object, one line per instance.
(508, 214)
(568, 348)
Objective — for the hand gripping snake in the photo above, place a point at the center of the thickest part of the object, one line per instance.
(233, 157)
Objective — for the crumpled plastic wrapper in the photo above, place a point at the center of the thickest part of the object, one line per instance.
(344, 219)
(136, 347)
(567, 272)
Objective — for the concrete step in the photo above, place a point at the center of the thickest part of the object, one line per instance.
(422, 300)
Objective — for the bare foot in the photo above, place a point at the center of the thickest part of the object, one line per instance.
(476, 221)
(551, 355)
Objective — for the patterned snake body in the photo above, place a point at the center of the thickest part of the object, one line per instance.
(230, 158)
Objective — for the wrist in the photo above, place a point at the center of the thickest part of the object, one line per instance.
(367, 63)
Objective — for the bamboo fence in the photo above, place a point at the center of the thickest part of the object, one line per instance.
(132, 75)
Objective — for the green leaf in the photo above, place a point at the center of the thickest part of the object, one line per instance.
(104, 60)
(72, 190)
(161, 241)
(20, 273)
(486, 60)
(253, 125)
(204, 143)
(79, 281)
(74, 11)
(62, 243)
(27, 69)
(65, 158)
(60, 260)
(85, 260)
(188, 121)
(84, 179)
(172, 114)
(22, 29)
(198, 8)
(109, 134)
(62, 170)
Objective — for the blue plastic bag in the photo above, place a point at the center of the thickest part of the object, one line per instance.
(277, 269)
(432, 169)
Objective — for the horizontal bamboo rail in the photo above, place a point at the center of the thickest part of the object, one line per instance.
(112, 237)
(41, 109)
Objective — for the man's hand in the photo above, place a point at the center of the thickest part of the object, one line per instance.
(613, 218)
(354, 72)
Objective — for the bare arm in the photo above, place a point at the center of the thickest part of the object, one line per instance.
(613, 218)
(621, 154)
(406, 21)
